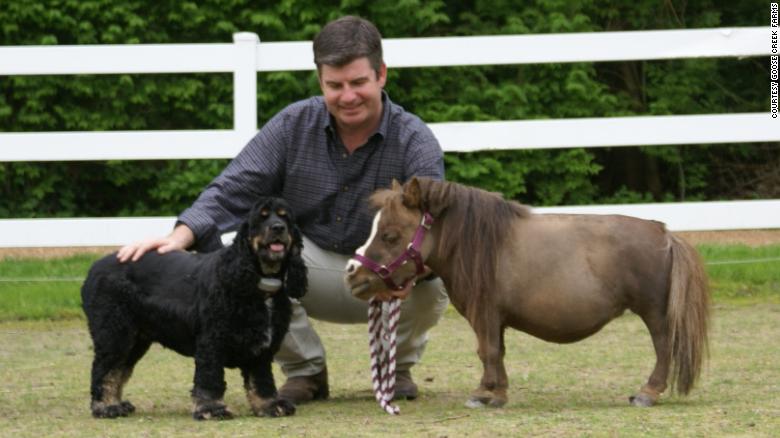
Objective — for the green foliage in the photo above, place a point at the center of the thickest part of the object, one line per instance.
(550, 178)
(204, 101)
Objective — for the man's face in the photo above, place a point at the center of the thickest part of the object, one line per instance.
(353, 94)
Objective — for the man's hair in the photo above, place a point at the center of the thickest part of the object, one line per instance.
(346, 39)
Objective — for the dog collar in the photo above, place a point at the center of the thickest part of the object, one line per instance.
(270, 285)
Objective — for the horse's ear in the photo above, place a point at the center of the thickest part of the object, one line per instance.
(412, 197)
(396, 186)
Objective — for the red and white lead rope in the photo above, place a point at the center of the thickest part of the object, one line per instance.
(382, 327)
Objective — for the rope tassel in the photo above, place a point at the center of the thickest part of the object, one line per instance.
(382, 328)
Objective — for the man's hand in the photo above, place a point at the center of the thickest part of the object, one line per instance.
(180, 238)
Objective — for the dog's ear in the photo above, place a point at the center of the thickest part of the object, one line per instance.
(296, 277)
(251, 220)
(242, 235)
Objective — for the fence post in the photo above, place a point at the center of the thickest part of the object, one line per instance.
(245, 84)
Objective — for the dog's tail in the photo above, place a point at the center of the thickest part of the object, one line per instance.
(106, 286)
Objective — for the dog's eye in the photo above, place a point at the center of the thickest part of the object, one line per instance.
(281, 212)
(264, 212)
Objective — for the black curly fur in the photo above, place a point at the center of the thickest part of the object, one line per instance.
(207, 306)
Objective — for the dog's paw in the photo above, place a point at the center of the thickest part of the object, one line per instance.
(127, 407)
(279, 408)
(212, 412)
(100, 410)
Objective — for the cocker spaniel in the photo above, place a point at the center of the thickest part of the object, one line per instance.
(229, 308)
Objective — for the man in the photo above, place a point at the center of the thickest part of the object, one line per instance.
(325, 155)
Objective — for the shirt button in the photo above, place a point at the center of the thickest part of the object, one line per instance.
(345, 188)
(338, 218)
(344, 155)
(335, 246)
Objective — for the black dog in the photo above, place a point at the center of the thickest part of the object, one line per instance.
(230, 308)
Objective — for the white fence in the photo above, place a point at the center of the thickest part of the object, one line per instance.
(246, 56)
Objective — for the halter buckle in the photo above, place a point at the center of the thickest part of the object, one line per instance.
(426, 221)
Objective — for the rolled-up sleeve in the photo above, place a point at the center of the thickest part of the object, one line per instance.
(255, 172)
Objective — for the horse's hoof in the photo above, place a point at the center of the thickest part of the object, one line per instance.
(475, 403)
(496, 403)
(641, 400)
(478, 403)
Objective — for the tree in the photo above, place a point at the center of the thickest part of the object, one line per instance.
(544, 177)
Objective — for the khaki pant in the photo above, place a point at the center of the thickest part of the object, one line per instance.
(328, 299)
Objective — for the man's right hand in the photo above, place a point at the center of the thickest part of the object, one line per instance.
(180, 239)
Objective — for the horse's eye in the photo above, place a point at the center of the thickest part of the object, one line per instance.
(390, 238)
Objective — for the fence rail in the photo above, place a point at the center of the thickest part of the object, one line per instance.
(247, 55)
(399, 52)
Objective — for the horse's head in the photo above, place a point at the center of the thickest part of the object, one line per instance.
(393, 256)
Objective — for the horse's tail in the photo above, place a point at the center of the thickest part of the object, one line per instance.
(687, 315)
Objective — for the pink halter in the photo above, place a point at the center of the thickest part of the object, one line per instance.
(412, 252)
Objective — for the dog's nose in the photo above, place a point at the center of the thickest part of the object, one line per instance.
(278, 227)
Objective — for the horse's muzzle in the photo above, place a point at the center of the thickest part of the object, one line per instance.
(361, 291)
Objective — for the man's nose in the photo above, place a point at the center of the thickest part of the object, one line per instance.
(348, 94)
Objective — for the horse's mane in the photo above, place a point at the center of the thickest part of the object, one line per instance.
(475, 224)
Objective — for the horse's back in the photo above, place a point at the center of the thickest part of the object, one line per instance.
(565, 276)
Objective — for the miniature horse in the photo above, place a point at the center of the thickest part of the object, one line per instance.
(558, 277)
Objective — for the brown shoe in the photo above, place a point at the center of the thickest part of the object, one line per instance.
(405, 388)
(301, 389)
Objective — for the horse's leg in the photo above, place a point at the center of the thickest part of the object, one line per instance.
(656, 384)
(492, 388)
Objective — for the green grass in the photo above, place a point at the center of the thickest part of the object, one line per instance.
(743, 273)
(37, 289)
(49, 289)
(555, 390)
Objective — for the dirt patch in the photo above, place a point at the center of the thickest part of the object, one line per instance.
(744, 237)
(53, 253)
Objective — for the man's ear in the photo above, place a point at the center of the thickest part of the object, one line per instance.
(381, 75)
(412, 196)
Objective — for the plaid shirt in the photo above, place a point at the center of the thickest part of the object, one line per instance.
(298, 155)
